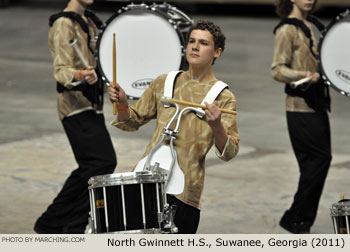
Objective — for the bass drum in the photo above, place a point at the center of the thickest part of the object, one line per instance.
(334, 54)
(150, 41)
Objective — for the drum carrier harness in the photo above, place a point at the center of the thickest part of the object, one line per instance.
(94, 93)
(316, 95)
(169, 135)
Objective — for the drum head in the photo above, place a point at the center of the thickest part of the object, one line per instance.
(147, 45)
(334, 55)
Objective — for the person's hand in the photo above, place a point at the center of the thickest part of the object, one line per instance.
(213, 115)
(315, 76)
(117, 94)
(90, 76)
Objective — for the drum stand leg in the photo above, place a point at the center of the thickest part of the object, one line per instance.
(347, 224)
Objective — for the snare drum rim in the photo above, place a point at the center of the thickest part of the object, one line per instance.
(340, 209)
(324, 76)
(152, 9)
(126, 178)
(138, 231)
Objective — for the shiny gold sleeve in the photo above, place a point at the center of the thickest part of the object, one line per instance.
(144, 110)
(63, 55)
(283, 55)
(229, 122)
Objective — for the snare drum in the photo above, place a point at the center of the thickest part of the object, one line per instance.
(150, 41)
(131, 202)
(334, 54)
(340, 213)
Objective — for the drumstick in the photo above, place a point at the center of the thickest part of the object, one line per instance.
(200, 106)
(73, 43)
(114, 73)
(294, 84)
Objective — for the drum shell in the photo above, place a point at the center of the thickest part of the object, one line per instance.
(120, 203)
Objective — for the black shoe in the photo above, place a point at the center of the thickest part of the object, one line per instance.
(38, 230)
(41, 228)
(295, 227)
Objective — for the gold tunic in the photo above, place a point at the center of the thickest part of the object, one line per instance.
(292, 54)
(195, 136)
(66, 63)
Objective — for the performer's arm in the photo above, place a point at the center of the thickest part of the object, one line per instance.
(89, 75)
(65, 70)
(283, 55)
(63, 54)
(144, 110)
(213, 116)
(117, 94)
(224, 128)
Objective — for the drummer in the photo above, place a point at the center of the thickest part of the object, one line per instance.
(205, 44)
(306, 105)
(80, 111)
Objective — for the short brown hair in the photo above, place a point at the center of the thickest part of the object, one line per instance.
(218, 36)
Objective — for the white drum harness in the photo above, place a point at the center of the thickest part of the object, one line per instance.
(163, 157)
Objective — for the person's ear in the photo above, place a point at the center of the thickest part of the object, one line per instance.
(217, 53)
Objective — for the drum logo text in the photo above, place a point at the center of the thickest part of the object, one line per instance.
(100, 203)
(345, 76)
(343, 230)
(141, 84)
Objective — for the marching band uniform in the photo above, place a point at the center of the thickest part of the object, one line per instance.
(307, 118)
(195, 136)
(80, 110)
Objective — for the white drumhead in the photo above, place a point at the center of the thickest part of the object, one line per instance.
(146, 46)
(335, 56)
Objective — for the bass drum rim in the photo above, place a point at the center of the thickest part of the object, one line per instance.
(324, 33)
(157, 9)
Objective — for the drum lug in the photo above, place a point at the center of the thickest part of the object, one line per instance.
(169, 225)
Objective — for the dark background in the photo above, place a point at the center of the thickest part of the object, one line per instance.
(326, 9)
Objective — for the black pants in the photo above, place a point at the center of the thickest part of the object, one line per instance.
(311, 141)
(94, 153)
(186, 217)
